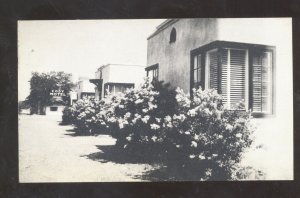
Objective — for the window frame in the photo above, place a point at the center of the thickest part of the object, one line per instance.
(113, 86)
(153, 68)
(250, 50)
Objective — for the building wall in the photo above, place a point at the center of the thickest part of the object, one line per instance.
(276, 32)
(174, 58)
(275, 133)
(84, 86)
(118, 73)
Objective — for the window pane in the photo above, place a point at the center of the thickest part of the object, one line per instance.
(195, 62)
(195, 76)
(199, 61)
(199, 74)
(262, 82)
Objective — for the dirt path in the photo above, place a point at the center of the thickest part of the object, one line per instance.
(49, 152)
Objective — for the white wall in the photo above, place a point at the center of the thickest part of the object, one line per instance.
(117, 73)
(275, 132)
(84, 86)
(127, 74)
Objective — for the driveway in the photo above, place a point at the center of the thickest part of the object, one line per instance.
(49, 152)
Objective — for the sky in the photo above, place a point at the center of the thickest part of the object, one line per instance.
(79, 46)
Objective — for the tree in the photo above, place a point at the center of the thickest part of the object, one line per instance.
(42, 84)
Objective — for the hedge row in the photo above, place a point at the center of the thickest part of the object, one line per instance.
(197, 136)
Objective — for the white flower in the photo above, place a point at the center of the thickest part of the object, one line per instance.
(154, 126)
(145, 110)
(187, 133)
(139, 101)
(145, 119)
(158, 120)
(192, 112)
(154, 138)
(152, 106)
(201, 156)
(192, 156)
(215, 155)
(151, 98)
(238, 135)
(194, 144)
(129, 138)
(178, 146)
(180, 117)
(168, 118)
(208, 172)
(196, 137)
(229, 127)
(128, 114)
(121, 125)
(206, 110)
(220, 136)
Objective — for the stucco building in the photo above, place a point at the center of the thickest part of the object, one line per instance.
(84, 88)
(246, 59)
(115, 78)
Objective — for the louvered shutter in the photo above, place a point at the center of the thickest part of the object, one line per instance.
(233, 76)
(224, 80)
(237, 76)
(261, 93)
(213, 69)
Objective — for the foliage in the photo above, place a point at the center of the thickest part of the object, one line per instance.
(139, 114)
(196, 137)
(41, 85)
(23, 105)
(86, 115)
(207, 136)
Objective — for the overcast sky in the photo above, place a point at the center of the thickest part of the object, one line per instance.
(79, 46)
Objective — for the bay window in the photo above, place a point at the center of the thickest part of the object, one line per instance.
(239, 72)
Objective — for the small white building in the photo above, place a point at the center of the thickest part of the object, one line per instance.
(115, 78)
(84, 88)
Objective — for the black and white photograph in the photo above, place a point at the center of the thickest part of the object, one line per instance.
(148, 100)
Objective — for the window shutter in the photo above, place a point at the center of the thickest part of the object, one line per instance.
(224, 80)
(262, 82)
(213, 70)
(237, 76)
(233, 76)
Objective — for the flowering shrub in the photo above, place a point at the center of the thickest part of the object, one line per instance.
(139, 116)
(206, 136)
(86, 115)
(197, 137)
(67, 117)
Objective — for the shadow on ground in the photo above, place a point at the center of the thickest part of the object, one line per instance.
(159, 172)
(76, 132)
(111, 153)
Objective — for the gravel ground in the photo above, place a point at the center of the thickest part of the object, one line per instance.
(49, 152)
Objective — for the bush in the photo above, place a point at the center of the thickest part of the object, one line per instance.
(206, 137)
(196, 137)
(86, 116)
(138, 116)
(67, 117)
